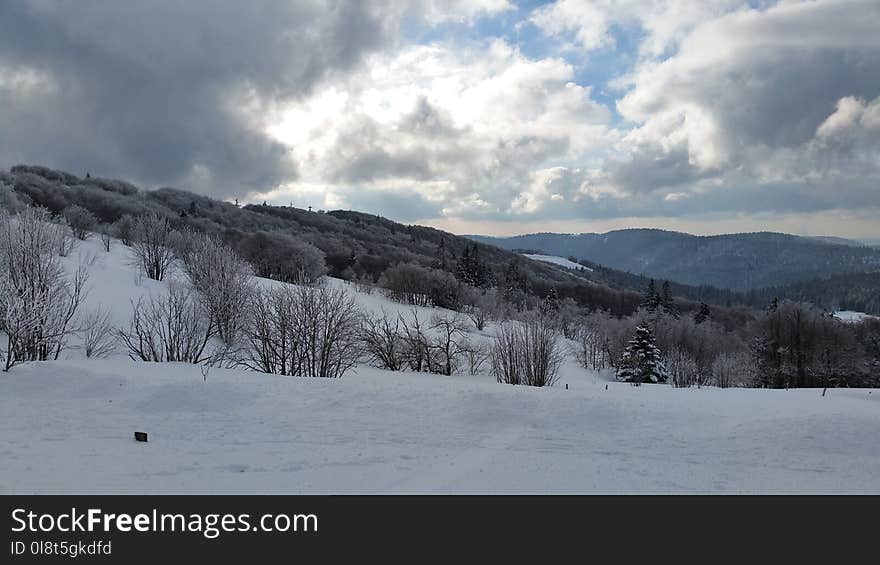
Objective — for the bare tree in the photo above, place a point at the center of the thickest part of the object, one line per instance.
(65, 242)
(481, 306)
(591, 348)
(527, 353)
(682, 369)
(417, 344)
(476, 354)
(304, 331)
(222, 279)
(171, 328)
(97, 336)
(37, 300)
(733, 369)
(106, 240)
(383, 342)
(270, 335)
(449, 342)
(364, 285)
(151, 245)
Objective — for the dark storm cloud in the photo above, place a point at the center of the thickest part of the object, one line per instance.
(162, 91)
(649, 170)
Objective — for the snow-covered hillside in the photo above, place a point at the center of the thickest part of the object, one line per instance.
(851, 316)
(67, 427)
(561, 261)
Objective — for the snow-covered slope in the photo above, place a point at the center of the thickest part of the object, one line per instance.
(67, 427)
(561, 261)
(851, 316)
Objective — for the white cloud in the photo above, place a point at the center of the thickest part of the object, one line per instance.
(850, 115)
(25, 81)
(438, 11)
(466, 128)
(757, 96)
(664, 23)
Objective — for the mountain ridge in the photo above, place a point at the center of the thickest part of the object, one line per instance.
(741, 262)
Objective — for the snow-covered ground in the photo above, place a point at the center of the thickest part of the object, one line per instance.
(67, 427)
(851, 316)
(561, 261)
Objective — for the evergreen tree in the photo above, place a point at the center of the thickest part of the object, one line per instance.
(471, 270)
(702, 314)
(442, 261)
(464, 269)
(666, 301)
(641, 360)
(651, 300)
(550, 305)
(515, 285)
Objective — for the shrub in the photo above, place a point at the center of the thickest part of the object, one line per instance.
(37, 301)
(383, 343)
(123, 228)
(81, 221)
(171, 328)
(303, 331)
(152, 245)
(682, 369)
(282, 258)
(97, 335)
(421, 286)
(527, 353)
(221, 278)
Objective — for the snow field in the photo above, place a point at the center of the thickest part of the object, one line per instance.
(67, 427)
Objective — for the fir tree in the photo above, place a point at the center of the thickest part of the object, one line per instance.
(666, 301)
(641, 360)
(651, 301)
(515, 285)
(550, 305)
(442, 261)
(702, 314)
(464, 269)
(471, 270)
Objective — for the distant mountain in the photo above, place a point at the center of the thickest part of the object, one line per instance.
(837, 240)
(740, 262)
(858, 292)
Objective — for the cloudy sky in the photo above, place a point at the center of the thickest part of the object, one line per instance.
(478, 116)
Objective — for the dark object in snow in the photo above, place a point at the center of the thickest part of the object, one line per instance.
(140, 436)
(566, 386)
(823, 391)
(606, 386)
